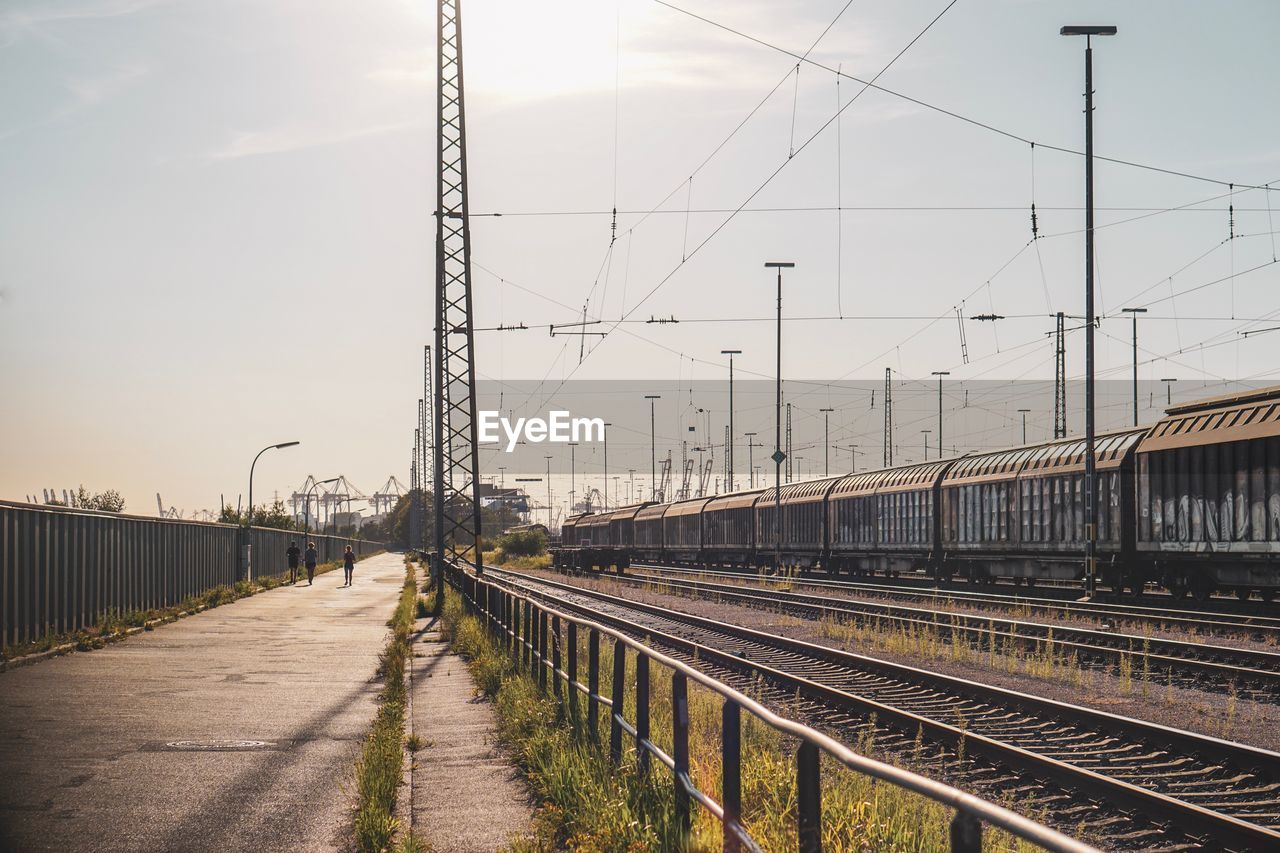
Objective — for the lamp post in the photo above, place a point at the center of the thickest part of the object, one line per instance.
(826, 441)
(306, 512)
(606, 466)
(653, 443)
(1168, 391)
(246, 552)
(729, 450)
(853, 459)
(572, 474)
(751, 458)
(940, 374)
(1135, 312)
(925, 433)
(778, 456)
(548, 458)
(1024, 424)
(1090, 464)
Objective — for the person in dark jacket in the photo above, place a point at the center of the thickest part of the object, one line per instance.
(293, 554)
(348, 565)
(311, 563)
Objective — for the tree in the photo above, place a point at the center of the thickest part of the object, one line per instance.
(108, 501)
(274, 515)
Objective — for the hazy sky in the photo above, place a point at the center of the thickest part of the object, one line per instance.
(216, 229)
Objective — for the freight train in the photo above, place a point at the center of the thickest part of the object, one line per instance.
(1191, 503)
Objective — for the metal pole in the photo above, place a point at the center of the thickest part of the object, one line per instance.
(1134, 312)
(548, 458)
(778, 456)
(653, 444)
(606, 465)
(925, 434)
(826, 441)
(1090, 464)
(729, 450)
(940, 374)
(1024, 424)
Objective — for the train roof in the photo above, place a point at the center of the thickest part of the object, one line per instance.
(1063, 456)
(1216, 420)
(691, 506)
(734, 500)
(804, 491)
(906, 478)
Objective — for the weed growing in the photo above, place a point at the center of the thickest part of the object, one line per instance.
(591, 804)
(381, 761)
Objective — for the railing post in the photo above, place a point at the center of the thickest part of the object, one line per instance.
(542, 650)
(619, 694)
(731, 779)
(680, 744)
(513, 642)
(526, 642)
(555, 656)
(642, 711)
(808, 798)
(966, 833)
(572, 692)
(593, 685)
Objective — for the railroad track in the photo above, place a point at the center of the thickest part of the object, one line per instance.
(1249, 673)
(1265, 628)
(1131, 783)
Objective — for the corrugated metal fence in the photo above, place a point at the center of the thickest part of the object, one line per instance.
(62, 568)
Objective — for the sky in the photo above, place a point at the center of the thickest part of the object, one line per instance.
(216, 225)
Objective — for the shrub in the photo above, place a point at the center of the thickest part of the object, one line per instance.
(521, 543)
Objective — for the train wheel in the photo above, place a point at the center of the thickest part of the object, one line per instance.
(1201, 589)
(1268, 594)
(1243, 593)
(1178, 589)
(1031, 582)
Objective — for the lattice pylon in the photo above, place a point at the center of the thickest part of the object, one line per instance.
(457, 475)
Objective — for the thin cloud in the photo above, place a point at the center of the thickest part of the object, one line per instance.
(256, 143)
(94, 90)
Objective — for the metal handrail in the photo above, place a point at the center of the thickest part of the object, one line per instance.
(971, 811)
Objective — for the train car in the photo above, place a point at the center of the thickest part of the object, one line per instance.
(565, 556)
(886, 521)
(1020, 513)
(1208, 481)
(647, 532)
(729, 529)
(804, 524)
(622, 530)
(682, 531)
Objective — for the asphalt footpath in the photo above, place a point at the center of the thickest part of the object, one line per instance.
(235, 729)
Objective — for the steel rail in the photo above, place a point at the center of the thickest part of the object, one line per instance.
(1227, 664)
(976, 807)
(1266, 626)
(1182, 814)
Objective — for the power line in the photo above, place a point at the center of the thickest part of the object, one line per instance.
(934, 107)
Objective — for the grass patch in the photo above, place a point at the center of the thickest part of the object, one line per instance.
(590, 804)
(381, 761)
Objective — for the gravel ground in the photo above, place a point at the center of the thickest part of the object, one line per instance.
(1243, 720)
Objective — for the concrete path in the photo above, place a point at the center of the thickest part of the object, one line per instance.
(84, 756)
(466, 794)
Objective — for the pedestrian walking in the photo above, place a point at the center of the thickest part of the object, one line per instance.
(293, 554)
(348, 565)
(311, 563)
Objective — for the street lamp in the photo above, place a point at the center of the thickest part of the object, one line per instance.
(1090, 464)
(548, 458)
(778, 456)
(306, 511)
(1135, 312)
(280, 446)
(572, 469)
(940, 374)
(653, 443)
(729, 450)
(1168, 391)
(1024, 424)
(606, 466)
(751, 458)
(826, 441)
(925, 433)
(246, 545)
